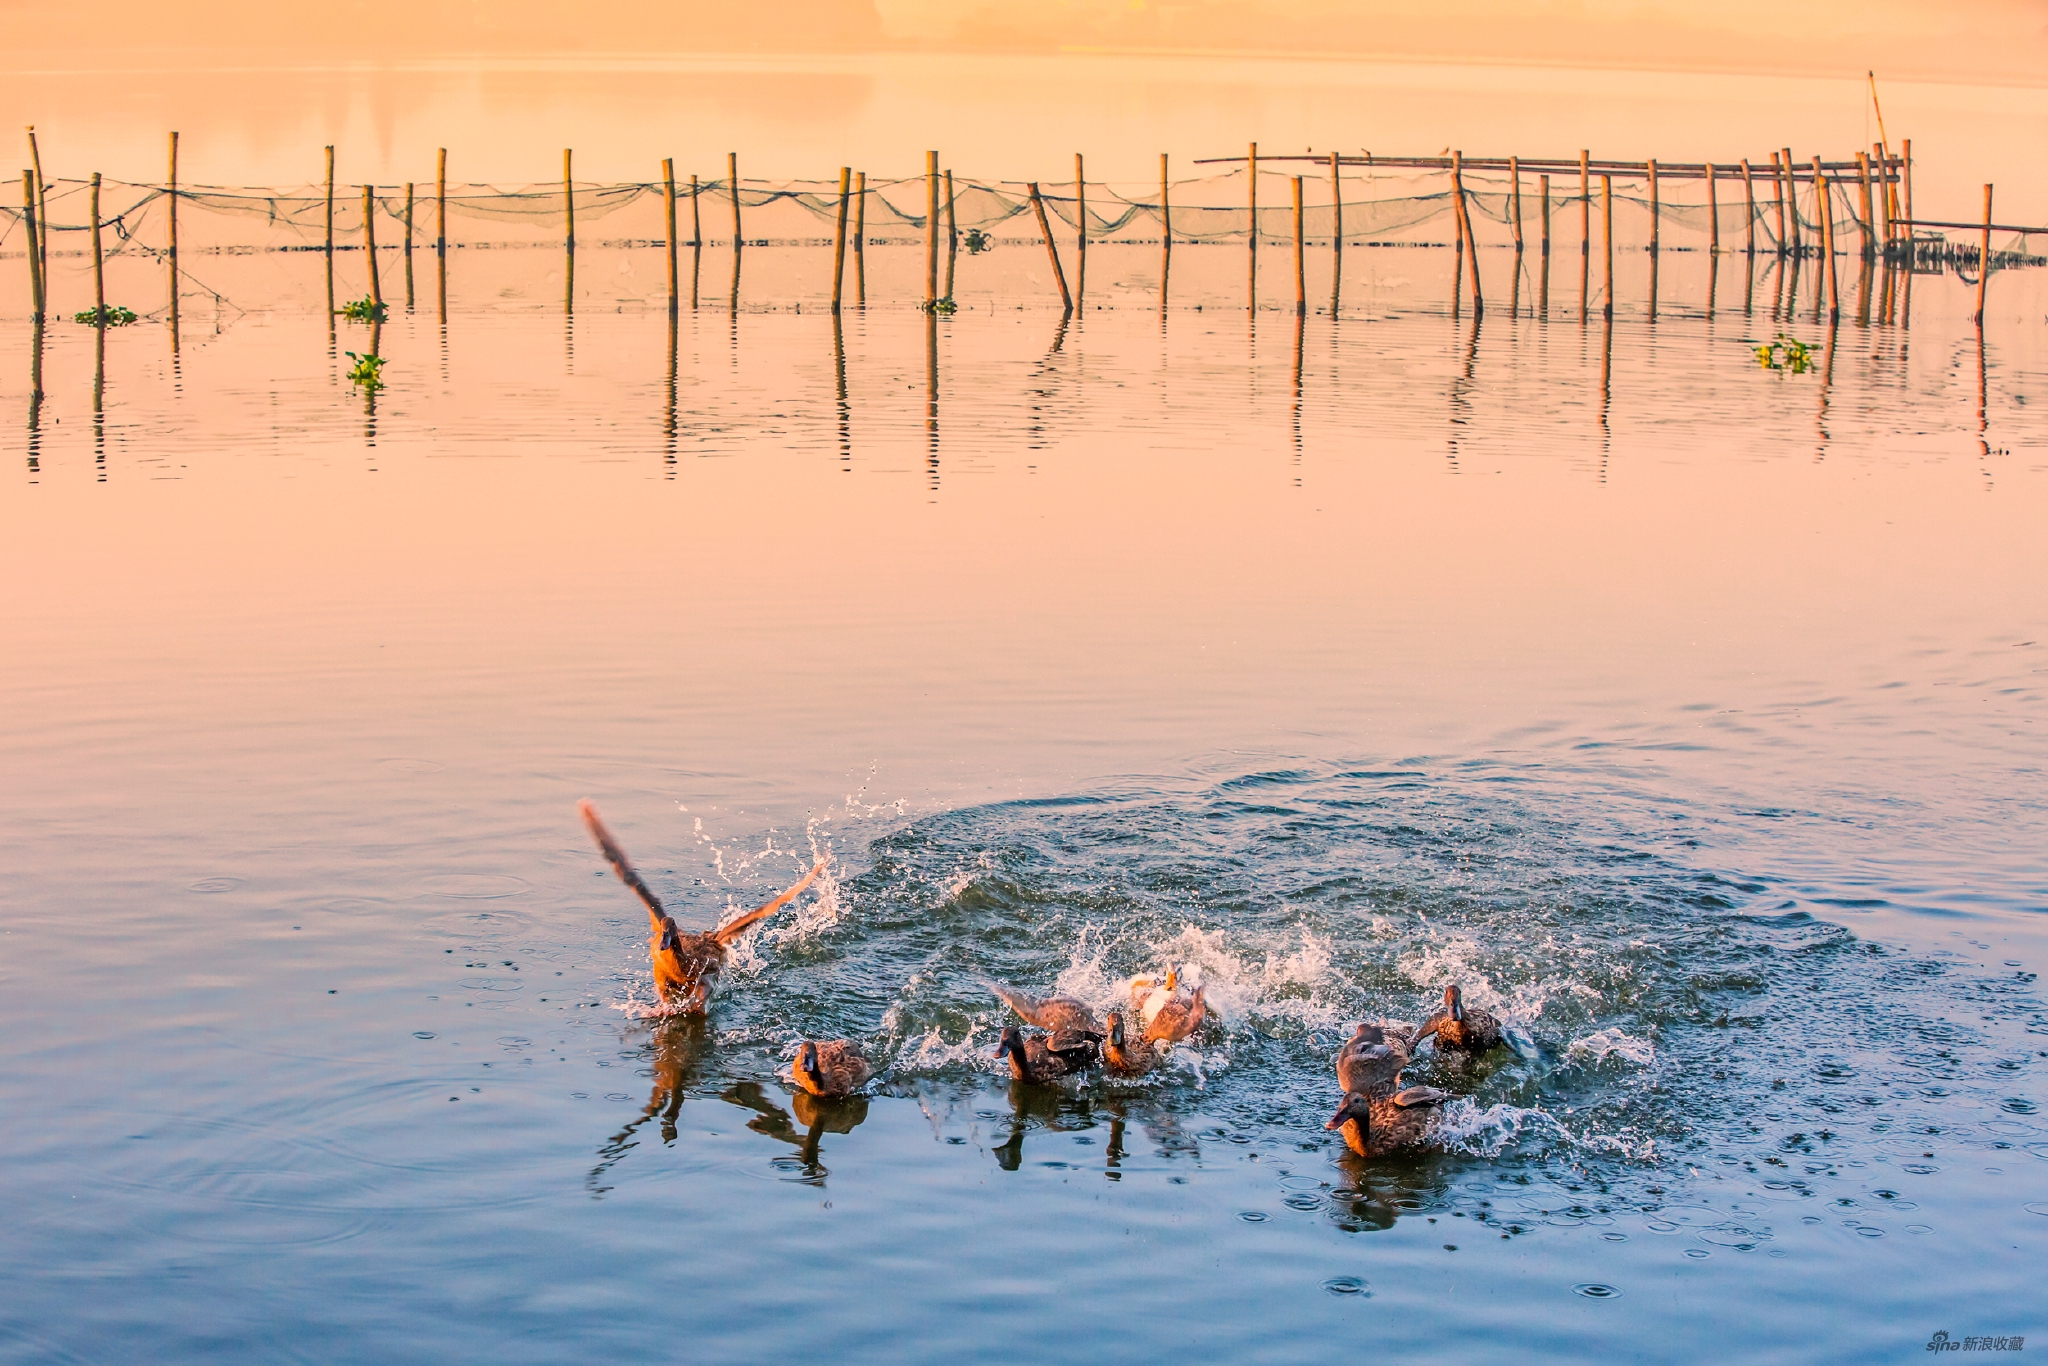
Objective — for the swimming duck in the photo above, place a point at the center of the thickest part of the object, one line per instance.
(1177, 1017)
(831, 1067)
(1047, 1057)
(1150, 991)
(1055, 1013)
(1466, 1031)
(1124, 1056)
(1389, 1122)
(685, 965)
(1367, 1054)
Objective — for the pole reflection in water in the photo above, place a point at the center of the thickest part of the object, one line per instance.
(1165, 277)
(675, 1048)
(668, 423)
(1749, 284)
(931, 395)
(839, 386)
(1713, 281)
(1865, 286)
(331, 352)
(1827, 380)
(99, 390)
(1606, 393)
(35, 397)
(370, 390)
(441, 289)
(1300, 330)
(733, 302)
(1983, 411)
(1461, 389)
(1653, 287)
(1515, 286)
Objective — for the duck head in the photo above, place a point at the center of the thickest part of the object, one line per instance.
(1012, 1042)
(1116, 1029)
(1454, 1002)
(807, 1058)
(1355, 1107)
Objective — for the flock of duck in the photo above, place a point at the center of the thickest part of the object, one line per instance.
(1378, 1113)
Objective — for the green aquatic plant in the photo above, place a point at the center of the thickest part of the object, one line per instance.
(109, 315)
(368, 371)
(363, 311)
(945, 306)
(977, 241)
(1784, 353)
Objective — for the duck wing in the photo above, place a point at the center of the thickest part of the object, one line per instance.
(732, 929)
(622, 865)
(1410, 1097)
(1177, 1019)
(841, 1060)
(1057, 1013)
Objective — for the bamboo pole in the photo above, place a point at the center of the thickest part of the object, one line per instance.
(1713, 212)
(42, 238)
(1656, 218)
(1336, 205)
(568, 202)
(1051, 249)
(172, 206)
(1251, 171)
(370, 248)
(839, 235)
(931, 228)
(1778, 202)
(1824, 210)
(1791, 198)
(35, 263)
(668, 207)
(952, 235)
(732, 179)
(1515, 200)
(1983, 262)
(408, 246)
(1080, 205)
(860, 238)
(330, 201)
(1863, 223)
(1607, 241)
(1465, 227)
(1749, 207)
(1585, 208)
(1543, 190)
(1882, 224)
(441, 201)
(99, 259)
(1300, 278)
(1905, 152)
(1165, 207)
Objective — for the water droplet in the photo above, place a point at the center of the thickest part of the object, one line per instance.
(1345, 1285)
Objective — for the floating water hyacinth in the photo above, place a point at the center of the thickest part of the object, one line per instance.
(364, 311)
(976, 241)
(1783, 353)
(108, 315)
(368, 371)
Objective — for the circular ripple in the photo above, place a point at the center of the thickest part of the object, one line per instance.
(1251, 1216)
(1594, 1290)
(1302, 1202)
(215, 884)
(2038, 1207)
(1697, 1252)
(1866, 1231)
(1918, 1228)
(474, 886)
(411, 765)
(490, 984)
(1919, 1168)
(1345, 1285)
(2018, 1105)
(423, 1033)
(616, 1095)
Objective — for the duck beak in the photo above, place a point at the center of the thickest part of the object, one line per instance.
(668, 937)
(1337, 1120)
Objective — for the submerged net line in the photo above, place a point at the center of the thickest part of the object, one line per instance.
(1379, 205)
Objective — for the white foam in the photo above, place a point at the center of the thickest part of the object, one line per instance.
(1611, 1042)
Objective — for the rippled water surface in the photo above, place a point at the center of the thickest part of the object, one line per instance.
(1689, 714)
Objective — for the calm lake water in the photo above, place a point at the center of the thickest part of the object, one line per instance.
(1688, 713)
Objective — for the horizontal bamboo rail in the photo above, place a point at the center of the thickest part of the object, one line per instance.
(1973, 227)
(1891, 171)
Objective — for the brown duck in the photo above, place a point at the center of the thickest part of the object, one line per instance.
(685, 965)
(830, 1067)
(1047, 1057)
(1358, 1065)
(1466, 1031)
(1055, 1013)
(1379, 1115)
(1177, 1018)
(1125, 1056)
